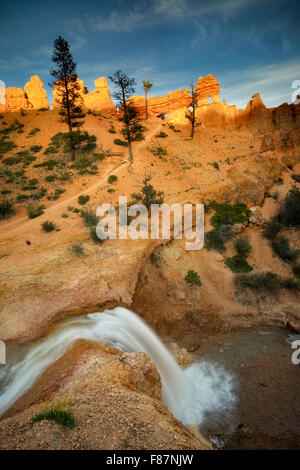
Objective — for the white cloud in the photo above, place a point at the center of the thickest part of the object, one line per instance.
(273, 82)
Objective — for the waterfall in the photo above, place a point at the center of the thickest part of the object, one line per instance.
(202, 389)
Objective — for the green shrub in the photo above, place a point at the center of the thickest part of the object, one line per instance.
(34, 210)
(226, 233)
(89, 217)
(6, 145)
(14, 127)
(83, 200)
(296, 270)
(36, 148)
(120, 142)
(282, 248)
(162, 135)
(50, 178)
(192, 278)
(279, 181)
(259, 281)
(216, 165)
(50, 164)
(243, 247)
(94, 236)
(112, 179)
(6, 209)
(238, 264)
(112, 130)
(99, 156)
(213, 241)
(48, 226)
(77, 249)
(289, 212)
(226, 214)
(60, 411)
(295, 177)
(159, 151)
(272, 228)
(148, 195)
(54, 196)
(34, 131)
(50, 150)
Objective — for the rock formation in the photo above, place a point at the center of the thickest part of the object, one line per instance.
(207, 87)
(164, 104)
(117, 405)
(34, 97)
(257, 116)
(36, 94)
(99, 99)
(15, 99)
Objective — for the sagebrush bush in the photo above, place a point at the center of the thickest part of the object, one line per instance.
(296, 270)
(89, 217)
(243, 247)
(266, 282)
(112, 178)
(289, 212)
(238, 264)
(213, 241)
(282, 248)
(6, 209)
(83, 199)
(48, 226)
(272, 228)
(120, 142)
(162, 135)
(34, 210)
(226, 233)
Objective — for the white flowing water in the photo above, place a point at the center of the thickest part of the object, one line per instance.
(200, 391)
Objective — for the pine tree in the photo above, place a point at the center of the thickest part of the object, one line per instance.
(190, 114)
(147, 86)
(67, 86)
(132, 127)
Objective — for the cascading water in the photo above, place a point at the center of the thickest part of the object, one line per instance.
(200, 390)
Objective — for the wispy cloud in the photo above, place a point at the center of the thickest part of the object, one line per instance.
(157, 12)
(273, 82)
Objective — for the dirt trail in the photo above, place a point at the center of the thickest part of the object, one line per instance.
(116, 168)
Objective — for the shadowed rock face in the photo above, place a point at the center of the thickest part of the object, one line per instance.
(99, 100)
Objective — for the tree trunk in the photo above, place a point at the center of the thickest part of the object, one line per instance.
(146, 105)
(130, 152)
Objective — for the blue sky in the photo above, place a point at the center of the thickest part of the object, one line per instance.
(249, 45)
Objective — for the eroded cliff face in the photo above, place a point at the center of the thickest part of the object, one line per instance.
(207, 87)
(117, 406)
